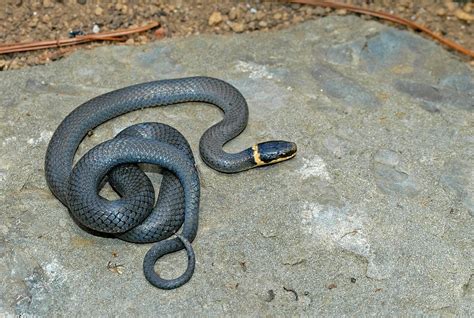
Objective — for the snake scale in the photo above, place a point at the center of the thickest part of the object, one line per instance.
(135, 216)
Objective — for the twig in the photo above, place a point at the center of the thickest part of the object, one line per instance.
(388, 17)
(117, 35)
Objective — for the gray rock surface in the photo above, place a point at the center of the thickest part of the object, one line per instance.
(375, 215)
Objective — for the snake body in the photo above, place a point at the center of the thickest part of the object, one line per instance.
(135, 217)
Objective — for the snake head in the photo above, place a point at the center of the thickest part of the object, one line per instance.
(274, 151)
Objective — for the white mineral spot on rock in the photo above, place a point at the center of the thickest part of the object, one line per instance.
(256, 70)
(343, 226)
(45, 136)
(55, 271)
(8, 140)
(315, 167)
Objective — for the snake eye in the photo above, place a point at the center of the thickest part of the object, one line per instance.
(273, 151)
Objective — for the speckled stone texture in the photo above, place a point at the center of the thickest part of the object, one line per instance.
(375, 215)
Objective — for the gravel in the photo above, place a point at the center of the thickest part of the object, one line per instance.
(22, 21)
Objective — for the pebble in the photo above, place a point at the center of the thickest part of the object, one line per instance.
(451, 6)
(462, 15)
(468, 7)
(46, 18)
(341, 12)
(95, 29)
(98, 11)
(238, 18)
(215, 18)
(33, 22)
(160, 33)
(441, 12)
(142, 39)
(238, 27)
(48, 4)
(234, 13)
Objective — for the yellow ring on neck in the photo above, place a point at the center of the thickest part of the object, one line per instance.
(256, 156)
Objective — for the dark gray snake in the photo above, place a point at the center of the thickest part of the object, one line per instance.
(135, 217)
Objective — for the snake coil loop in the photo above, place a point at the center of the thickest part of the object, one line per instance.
(134, 217)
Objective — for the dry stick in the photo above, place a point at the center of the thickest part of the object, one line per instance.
(389, 17)
(117, 35)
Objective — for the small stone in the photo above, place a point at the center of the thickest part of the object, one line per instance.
(48, 4)
(46, 18)
(297, 19)
(95, 29)
(98, 11)
(234, 13)
(238, 27)
(441, 12)
(468, 7)
(260, 15)
(277, 16)
(15, 64)
(341, 12)
(124, 8)
(142, 39)
(160, 33)
(262, 24)
(81, 1)
(3, 63)
(130, 41)
(215, 18)
(33, 22)
(451, 6)
(462, 15)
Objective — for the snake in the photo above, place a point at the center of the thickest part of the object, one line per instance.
(135, 216)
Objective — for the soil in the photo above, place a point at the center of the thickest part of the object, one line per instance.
(23, 20)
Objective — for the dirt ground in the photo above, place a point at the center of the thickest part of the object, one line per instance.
(28, 20)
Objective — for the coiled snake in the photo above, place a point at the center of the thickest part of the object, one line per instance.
(135, 217)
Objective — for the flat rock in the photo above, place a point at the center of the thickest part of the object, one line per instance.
(374, 216)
